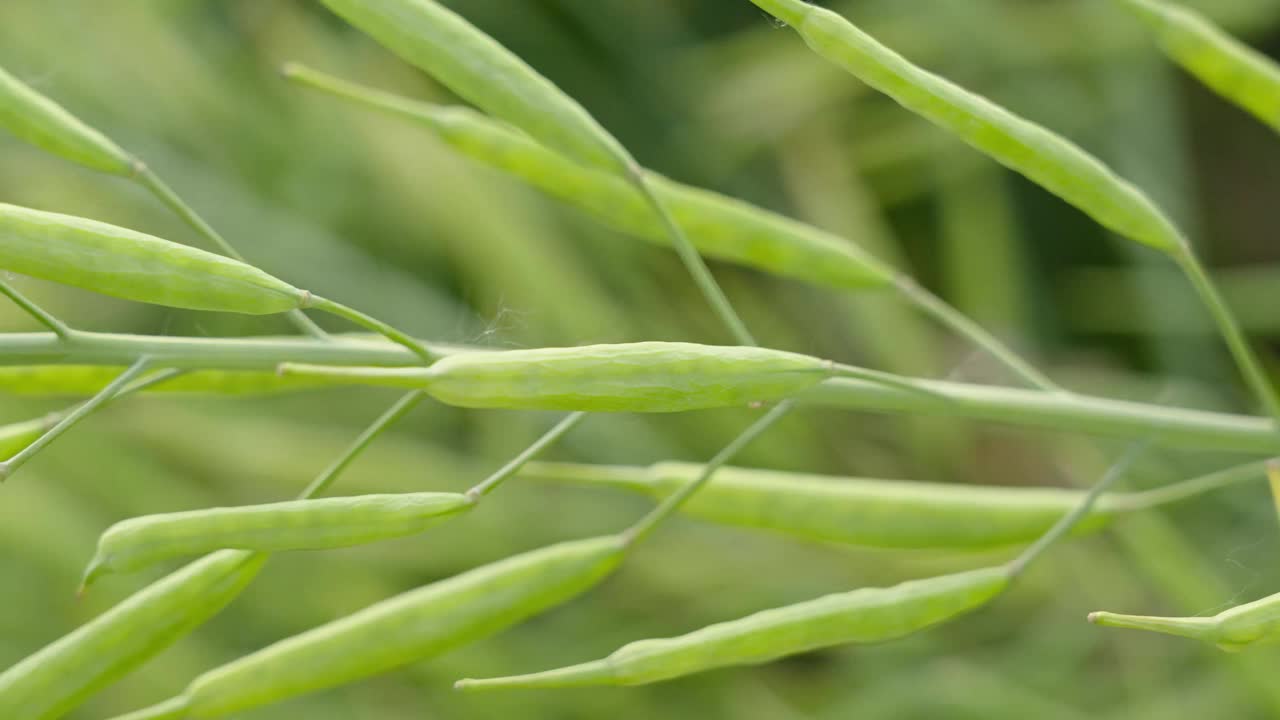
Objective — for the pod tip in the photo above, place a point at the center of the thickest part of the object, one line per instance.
(95, 570)
(289, 69)
(598, 672)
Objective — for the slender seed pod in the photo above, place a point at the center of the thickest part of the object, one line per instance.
(89, 379)
(414, 626)
(441, 43)
(1254, 623)
(59, 677)
(16, 436)
(719, 226)
(635, 377)
(854, 511)
(880, 513)
(1232, 69)
(1042, 156)
(47, 125)
(867, 615)
(273, 527)
(126, 264)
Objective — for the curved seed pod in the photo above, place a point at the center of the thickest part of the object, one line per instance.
(1253, 623)
(127, 264)
(867, 615)
(1044, 157)
(880, 513)
(47, 125)
(273, 527)
(470, 63)
(16, 436)
(59, 677)
(635, 377)
(1232, 69)
(414, 626)
(719, 226)
(854, 511)
(90, 379)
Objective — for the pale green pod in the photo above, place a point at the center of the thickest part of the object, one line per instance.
(1254, 623)
(867, 615)
(413, 626)
(1042, 156)
(718, 226)
(76, 380)
(634, 377)
(127, 264)
(16, 436)
(51, 682)
(1232, 69)
(441, 43)
(47, 125)
(272, 527)
(854, 511)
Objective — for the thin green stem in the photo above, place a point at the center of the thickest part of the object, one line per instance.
(174, 202)
(407, 402)
(42, 316)
(513, 466)
(1190, 488)
(10, 466)
(696, 266)
(375, 325)
(948, 316)
(1069, 521)
(1072, 412)
(1244, 355)
(672, 503)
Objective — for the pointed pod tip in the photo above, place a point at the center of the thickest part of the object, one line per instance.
(290, 69)
(1095, 617)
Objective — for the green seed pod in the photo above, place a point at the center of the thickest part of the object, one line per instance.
(130, 265)
(1044, 157)
(868, 615)
(47, 125)
(719, 226)
(59, 677)
(853, 511)
(1254, 623)
(79, 380)
(444, 45)
(1232, 69)
(414, 626)
(635, 377)
(274, 527)
(16, 436)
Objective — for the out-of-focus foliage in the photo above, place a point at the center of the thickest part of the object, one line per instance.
(377, 214)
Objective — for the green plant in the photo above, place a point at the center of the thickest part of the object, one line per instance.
(616, 377)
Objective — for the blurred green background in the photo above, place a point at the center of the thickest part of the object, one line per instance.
(377, 214)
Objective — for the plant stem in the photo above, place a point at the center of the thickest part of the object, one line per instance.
(8, 467)
(948, 316)
(513, 466)
(693, 262)
(406, 403)
(1060, 412)
(1069, 521)
(1014, 406)
(1244, 356)
(672, 503)
(171, 199)
(375, 325)
(41, 315)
